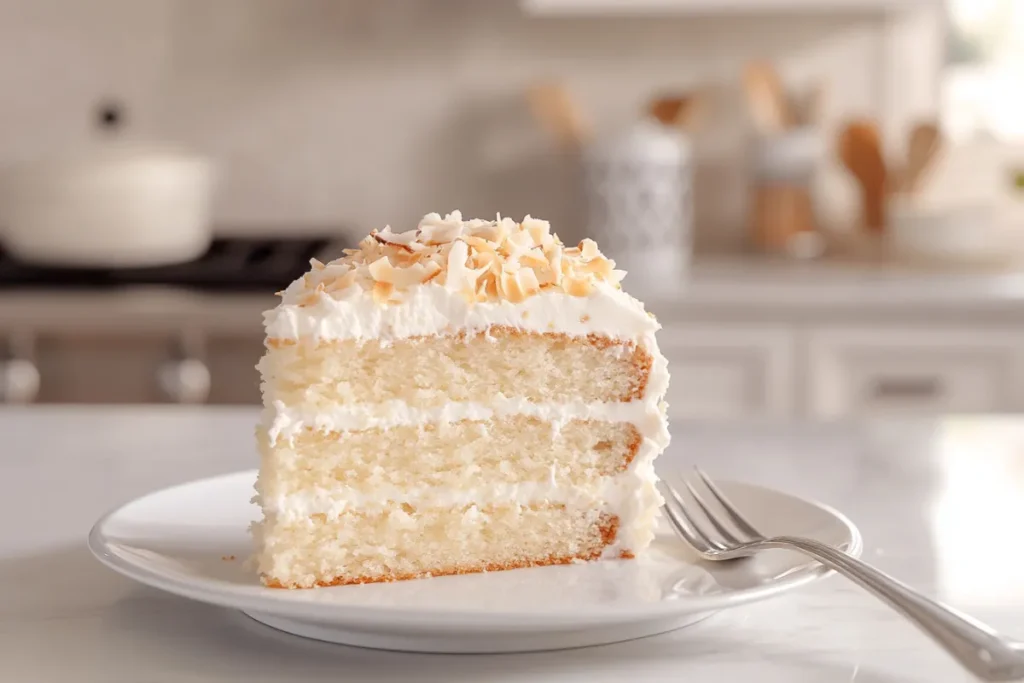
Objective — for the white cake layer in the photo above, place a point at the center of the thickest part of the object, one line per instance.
(631, 496)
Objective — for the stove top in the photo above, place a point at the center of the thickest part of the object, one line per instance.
(230, 265)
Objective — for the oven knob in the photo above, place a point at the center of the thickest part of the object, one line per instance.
(185, 381)
(19, 381)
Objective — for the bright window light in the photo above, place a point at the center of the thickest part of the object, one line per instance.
(983, 89)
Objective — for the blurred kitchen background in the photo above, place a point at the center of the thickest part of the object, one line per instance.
(821, 199)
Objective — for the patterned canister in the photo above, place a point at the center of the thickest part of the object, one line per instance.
(639, 195)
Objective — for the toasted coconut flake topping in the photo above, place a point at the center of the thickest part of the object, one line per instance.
(498, 260)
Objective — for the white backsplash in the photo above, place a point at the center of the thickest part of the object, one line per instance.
(326, 112)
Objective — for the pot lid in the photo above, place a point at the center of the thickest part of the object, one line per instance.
(104, 152)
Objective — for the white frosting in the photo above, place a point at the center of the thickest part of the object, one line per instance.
(445, 267)
(283, 422)
(334, 501)
(432, 309)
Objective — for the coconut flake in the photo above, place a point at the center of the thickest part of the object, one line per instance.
(482, 260)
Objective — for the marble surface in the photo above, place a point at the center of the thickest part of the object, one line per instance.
(924, 494)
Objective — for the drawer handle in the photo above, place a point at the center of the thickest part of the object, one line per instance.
(907, 388)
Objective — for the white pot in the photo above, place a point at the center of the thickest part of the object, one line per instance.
(119, 206)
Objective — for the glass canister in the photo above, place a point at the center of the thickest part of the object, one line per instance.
(639, 198)
(783, 219)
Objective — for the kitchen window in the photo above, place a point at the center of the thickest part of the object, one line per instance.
(982, 95)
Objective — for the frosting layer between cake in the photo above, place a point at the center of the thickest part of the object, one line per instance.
(283, 422)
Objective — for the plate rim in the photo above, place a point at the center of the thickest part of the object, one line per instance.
(242, 598)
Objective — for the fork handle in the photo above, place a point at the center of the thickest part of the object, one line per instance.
(977, 647)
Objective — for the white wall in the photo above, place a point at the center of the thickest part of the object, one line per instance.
(347, 111)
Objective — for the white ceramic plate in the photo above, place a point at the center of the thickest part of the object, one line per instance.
(192, 540)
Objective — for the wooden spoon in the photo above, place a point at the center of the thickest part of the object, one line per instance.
(555, 110)
(667, 110)
(860, 149)
(768, 102)
(683, 111)
(923, 146)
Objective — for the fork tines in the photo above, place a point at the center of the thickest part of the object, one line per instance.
(710, 528)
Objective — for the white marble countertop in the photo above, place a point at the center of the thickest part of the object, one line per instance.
(922, 494)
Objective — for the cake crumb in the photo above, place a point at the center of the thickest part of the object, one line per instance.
(584, 318)
(227, 558)
(526, 314)
(551, 325)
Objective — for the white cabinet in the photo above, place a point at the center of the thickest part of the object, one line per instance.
(867, 371)
(728, 371)
(817, 370)
(778, 339)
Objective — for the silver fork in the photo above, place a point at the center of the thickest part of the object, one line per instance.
(727, 535)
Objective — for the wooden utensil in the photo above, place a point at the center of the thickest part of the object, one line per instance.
(555, 110)
(922, 149)
(767, 97)
(667, 110)
(683, 111)
(860, 149)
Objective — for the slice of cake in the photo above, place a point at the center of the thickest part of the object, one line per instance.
(467, 396)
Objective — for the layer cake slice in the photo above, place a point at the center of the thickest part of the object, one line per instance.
(466, 396)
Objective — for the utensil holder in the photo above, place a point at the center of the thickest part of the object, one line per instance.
(781, 214)
(782, 209)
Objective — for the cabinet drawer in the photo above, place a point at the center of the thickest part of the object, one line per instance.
(728, 371)
(861, 372)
